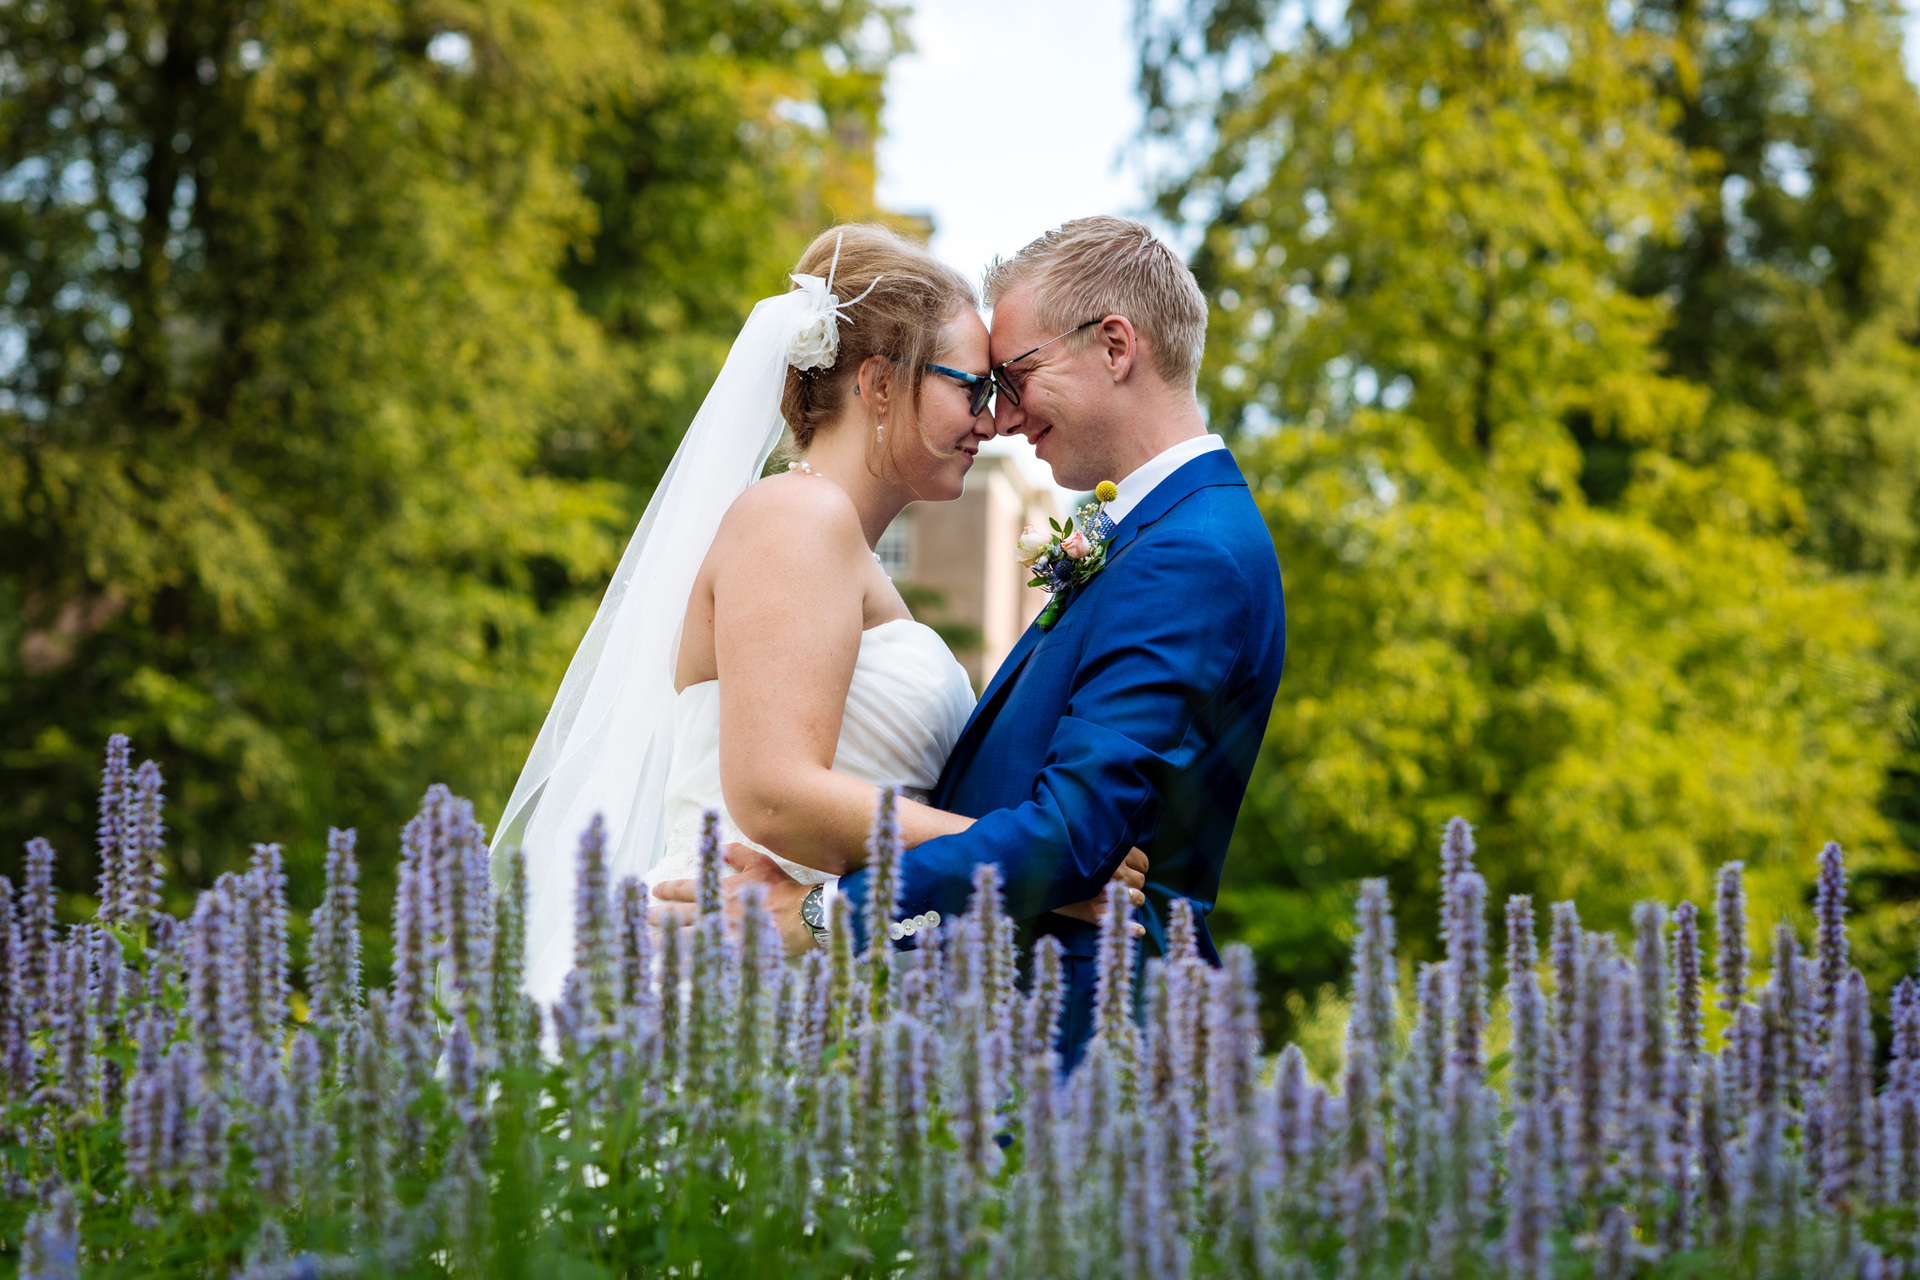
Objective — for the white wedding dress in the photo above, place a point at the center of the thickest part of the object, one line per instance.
(905, 709)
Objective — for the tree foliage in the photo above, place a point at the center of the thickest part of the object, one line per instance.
(340, 345)
(1572, 506)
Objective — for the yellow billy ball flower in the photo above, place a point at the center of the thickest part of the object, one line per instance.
(1106, 491)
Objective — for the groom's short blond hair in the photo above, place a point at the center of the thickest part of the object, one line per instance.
(1096, 267)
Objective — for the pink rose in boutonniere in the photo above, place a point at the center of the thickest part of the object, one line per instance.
(1071, 555)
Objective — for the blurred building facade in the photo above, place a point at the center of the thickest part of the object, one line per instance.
(954, 562)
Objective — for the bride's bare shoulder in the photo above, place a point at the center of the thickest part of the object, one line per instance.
(795, 511)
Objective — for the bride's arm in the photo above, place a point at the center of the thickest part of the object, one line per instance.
(791, 573)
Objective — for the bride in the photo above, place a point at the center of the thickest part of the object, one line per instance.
(750, 655)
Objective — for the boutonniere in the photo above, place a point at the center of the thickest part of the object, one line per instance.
(1071, 554)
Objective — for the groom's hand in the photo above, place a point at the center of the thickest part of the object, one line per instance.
(1133, 874)
(780, 892)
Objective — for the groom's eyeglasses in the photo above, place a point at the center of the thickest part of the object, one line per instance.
(983, 385)
(980, 384)
(1003, 379)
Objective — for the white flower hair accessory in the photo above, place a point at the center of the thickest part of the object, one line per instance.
(815, 342)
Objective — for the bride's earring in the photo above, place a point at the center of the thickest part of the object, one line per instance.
(880, 428)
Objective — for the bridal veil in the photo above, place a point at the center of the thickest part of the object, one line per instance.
(606, 746)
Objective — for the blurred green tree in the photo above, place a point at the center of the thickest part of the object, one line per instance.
(340, 344)
(1795, 285)
(1519, 588)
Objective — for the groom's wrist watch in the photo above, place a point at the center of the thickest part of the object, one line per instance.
(813, 914)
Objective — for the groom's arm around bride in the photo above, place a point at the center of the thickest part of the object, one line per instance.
(1136, 717)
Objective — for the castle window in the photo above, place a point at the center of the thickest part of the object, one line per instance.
(895, 548)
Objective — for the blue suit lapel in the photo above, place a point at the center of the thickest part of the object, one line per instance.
(1215, 467)
(976, 723)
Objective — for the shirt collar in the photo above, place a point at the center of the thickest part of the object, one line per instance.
(1157, 468)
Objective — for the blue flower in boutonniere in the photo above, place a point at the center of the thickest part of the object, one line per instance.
(1073, 553)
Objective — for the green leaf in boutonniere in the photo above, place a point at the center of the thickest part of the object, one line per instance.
(1072, 556)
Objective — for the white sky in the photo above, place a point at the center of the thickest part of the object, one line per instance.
(1009, 118)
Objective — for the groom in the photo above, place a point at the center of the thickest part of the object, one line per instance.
(1135, 718)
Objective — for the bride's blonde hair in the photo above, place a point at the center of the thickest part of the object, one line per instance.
(901, 320)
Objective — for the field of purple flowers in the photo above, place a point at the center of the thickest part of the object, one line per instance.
(694, 1105)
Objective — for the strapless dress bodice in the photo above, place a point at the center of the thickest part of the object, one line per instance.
(906, 706)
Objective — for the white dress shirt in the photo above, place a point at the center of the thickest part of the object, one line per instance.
(1142, 482)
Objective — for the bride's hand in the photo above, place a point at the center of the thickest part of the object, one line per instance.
(781, 895)
(1133, 874)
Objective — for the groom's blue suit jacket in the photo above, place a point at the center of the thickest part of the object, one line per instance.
(1135, 720)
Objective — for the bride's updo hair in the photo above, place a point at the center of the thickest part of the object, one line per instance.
(901, 319)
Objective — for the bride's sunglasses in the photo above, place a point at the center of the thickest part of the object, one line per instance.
(998, 377)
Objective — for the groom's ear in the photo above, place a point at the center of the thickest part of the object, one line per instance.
(1118, 343)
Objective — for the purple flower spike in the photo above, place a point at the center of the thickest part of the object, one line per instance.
(146, 832)
(759, 978)
(206, 1146)
(1466, 908)
(1042, 1248)
(1848, 1174)
(986, 908)
(1900, 1105)
(313, 1138)
(1374, 1012)
(1591, 1071)
(111, 835)
(1046, 997)
(1233, 1041)
(1528, 1244)
(413, 919)
(16, 1053)
(883, 882)
(1182, 938)
(1565, 960)
(35, 923)
(1527, 1010)
(592, 916)
(1292, 1115)
(707, 879)
(1831, 950)
(107, 980)
(634, 943)
(70, 1016)
(1363, 1166)
(50, 1244)
(265, 933)
(1730, 937)
(673, 1022)
(333, 954)
(1113, 1002)
(512, 1007)
(463, 908)
(1686, 980)
(1720, 1170)
(269, 1125)
(1650, 1037)
(215, 997)
(1456, 852)
(1790, 987)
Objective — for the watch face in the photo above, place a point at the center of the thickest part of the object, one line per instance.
(810, 912)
